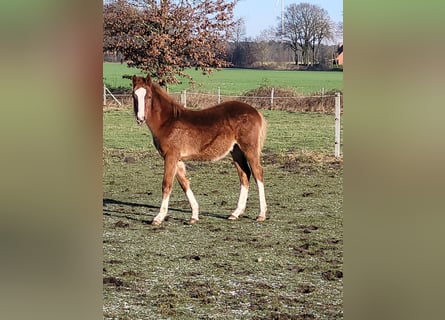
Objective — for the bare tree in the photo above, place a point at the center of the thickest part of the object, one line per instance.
(339, 31)
(163, 37)
(237, 51)
(323, 29)
(263, 47)
(239, 30)
(305, 27)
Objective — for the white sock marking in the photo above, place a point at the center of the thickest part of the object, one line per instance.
(163, 211)
(241, 202)
(193, 204)
(262, 196)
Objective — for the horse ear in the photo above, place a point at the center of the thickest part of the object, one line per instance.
(133, 79)
(148, 80)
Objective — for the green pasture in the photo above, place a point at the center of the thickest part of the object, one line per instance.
(288, 267)
(308, 132)
(233, 81)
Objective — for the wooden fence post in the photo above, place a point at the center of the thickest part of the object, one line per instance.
(322, 97)
(184, 98)
(271, 98)
(105, 97)
(337, 124)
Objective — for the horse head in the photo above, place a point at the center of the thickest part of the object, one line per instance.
(141, 97)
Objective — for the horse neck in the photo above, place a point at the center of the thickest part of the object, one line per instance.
(163, 109)
(168, 107)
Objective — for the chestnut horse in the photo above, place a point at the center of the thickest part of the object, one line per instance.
(181, 134)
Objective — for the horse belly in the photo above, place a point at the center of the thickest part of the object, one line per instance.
(213, 151)
(220, 151)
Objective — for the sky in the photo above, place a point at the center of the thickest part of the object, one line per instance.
(262, 14)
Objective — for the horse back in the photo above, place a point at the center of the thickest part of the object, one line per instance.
(230, 113)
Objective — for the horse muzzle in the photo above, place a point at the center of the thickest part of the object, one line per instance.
(140, 121)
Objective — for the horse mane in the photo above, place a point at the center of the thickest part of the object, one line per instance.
(166, 100)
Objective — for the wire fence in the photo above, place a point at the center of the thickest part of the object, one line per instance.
(328, 103)
(268, 98)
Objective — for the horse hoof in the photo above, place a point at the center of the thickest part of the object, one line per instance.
(156, 223)
(232, 217)
(260, 218)
(193, 221)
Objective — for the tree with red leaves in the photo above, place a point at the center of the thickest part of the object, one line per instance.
(164, 37)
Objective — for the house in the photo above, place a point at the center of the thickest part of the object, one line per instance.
(339, 59)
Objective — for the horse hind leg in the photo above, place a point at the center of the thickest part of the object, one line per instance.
(257, 170)
(244, 173)
(185, 185)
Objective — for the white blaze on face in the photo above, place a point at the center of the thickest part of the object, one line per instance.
(140, 93)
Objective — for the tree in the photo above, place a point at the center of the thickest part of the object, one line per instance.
(237, 51)
(163, 37)
(305, 27)
(339, 31)
(263, 45)
(239, 30)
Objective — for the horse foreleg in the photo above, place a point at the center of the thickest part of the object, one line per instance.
(167, 183)
(185, 185)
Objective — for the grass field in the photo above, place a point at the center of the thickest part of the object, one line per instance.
(287, 132)
(237, 81)
(288, 267)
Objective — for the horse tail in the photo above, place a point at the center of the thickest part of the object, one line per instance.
(262, 134)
